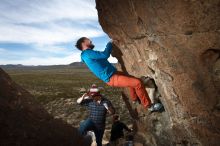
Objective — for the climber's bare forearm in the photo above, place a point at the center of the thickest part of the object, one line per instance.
(111, 111)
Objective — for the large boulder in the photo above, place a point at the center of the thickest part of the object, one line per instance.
(176, 43)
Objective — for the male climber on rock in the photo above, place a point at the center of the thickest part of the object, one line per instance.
(97, 62)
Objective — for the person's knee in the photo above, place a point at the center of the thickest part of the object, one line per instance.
(84, 126)
(137, 82)
(81, 130)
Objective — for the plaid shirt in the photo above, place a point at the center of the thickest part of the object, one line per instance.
(97, 111)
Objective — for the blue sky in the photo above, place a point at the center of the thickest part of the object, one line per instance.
(43, 32)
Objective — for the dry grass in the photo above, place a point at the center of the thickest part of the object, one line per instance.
(57, 89)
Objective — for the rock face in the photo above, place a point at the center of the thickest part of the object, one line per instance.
(23, 122)
(175, 42)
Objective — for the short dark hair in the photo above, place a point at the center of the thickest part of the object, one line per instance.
(79, 43)
(115, 117)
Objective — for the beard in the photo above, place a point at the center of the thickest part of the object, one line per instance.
(91, 46)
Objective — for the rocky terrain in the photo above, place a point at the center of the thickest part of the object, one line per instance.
(177, 44)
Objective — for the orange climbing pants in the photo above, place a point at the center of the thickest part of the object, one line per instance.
(136, 87)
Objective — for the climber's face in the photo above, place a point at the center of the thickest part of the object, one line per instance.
(88, 44)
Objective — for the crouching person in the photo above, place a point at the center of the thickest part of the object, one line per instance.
(117, 131)
(98, 107)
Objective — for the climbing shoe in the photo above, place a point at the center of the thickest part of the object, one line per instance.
(155, 107)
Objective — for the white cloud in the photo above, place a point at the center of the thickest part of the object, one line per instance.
(113, 59)
(36, 11)
(2, 50)
(49, 60)
(47, 22)
(51, 49)
(44, 25)
(54, 34)
(45, 61)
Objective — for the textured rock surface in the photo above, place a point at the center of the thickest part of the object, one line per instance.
(176, 42)
(24, 123)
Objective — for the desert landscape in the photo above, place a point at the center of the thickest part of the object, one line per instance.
(58, 87)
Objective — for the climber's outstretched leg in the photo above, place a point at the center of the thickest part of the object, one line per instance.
(137, 89)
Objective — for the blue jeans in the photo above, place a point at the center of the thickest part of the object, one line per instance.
(89, 125)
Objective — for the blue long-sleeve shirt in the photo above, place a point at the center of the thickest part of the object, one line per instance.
(98, 63)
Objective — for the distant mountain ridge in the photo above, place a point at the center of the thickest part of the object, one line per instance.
(20, 66)
(77, 64)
